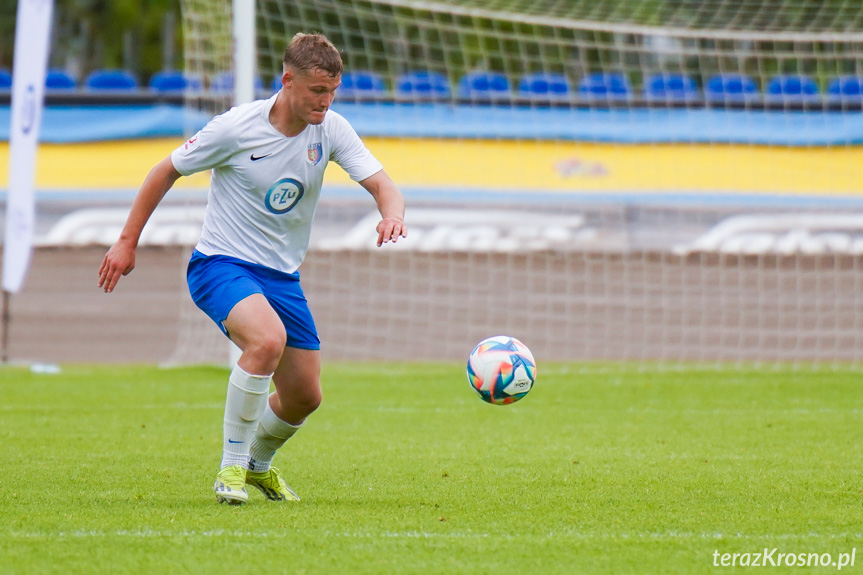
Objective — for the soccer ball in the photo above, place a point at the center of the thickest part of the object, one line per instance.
(501, 370)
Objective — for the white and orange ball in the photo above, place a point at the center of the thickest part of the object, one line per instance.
(501, 370)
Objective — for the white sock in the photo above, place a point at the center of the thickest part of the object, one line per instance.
(247, 398)
(272, 433)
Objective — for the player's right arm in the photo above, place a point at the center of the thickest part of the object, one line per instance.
(120, 259)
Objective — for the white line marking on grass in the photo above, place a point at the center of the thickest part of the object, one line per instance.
(647, 536)
(183, 406)
(405, 409)
(711, 368)
(757, 407)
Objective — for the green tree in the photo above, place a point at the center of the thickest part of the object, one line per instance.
(92, 34)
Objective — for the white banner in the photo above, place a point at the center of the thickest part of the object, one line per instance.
(32, 43)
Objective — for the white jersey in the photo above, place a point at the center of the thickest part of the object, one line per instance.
(265, 186)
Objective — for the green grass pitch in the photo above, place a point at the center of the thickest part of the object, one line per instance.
(404, 470)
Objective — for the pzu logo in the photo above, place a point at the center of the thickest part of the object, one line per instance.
(284, 195)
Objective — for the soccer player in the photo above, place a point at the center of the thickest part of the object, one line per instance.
(267, 160)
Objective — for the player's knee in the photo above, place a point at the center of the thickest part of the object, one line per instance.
(269, 345)
(313, 400)
(308, 400)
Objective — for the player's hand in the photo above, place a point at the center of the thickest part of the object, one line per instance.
(120, 260)
(389, 229)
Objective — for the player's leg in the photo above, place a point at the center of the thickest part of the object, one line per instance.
(297, 395)
(298, 385)
(230, 292)
(257, 330)
(296, 377)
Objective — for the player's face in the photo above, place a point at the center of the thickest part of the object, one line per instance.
(311, 93)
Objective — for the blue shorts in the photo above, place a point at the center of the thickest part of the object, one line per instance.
(218, 283)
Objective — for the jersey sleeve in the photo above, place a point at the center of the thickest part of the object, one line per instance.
(350, 153)
(209, 148)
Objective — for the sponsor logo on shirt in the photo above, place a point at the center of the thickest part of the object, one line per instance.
(284, 195)
(191, 144)
(315, 153)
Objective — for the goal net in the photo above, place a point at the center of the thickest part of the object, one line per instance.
(651, 181)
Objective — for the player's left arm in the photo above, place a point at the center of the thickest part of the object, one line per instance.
(391, 205)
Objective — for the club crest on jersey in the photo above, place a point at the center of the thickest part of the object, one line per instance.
(315, 153)
(284, 195)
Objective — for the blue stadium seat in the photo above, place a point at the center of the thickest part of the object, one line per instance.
(484, 86)
(224, 82)
(277, 84)
(605, 86)
(670, 87)
(174, 81)
(57, 79)
(731, 88)
(362, 84)
(846, 88)
(5, 79)
(111, 80)
(422, 85)
(792, 88)
(545, 86)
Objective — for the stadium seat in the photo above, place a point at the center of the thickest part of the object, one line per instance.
(57, 79)
(422, 85)
(670, 87)
(792, 88)
(5, 79)
(846, 88)
(604, 86)
(362, 84)
(545, 86)
(224, 82)
(174, 81)
(731, 88)
(111, 80)
(481, 85)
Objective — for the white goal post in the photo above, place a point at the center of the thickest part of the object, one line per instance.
(613, 181)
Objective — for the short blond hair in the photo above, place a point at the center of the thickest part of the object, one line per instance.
(313, 52)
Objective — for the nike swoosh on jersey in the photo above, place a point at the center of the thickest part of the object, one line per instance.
(256, 158)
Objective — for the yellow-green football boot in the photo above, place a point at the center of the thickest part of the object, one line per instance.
(230, 485)
(271, 485)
